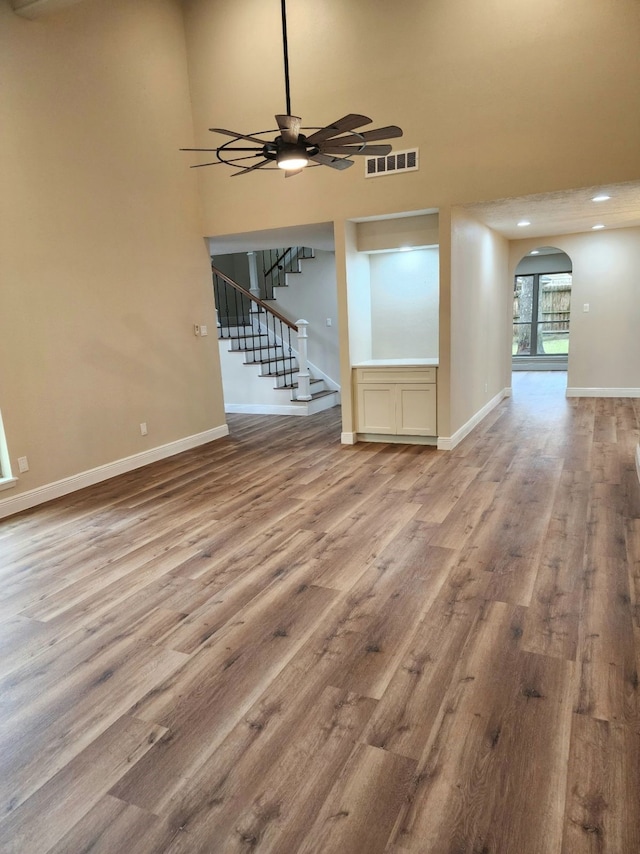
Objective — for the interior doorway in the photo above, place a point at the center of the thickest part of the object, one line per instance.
(542, 311)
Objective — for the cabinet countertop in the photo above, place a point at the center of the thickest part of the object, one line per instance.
(397, 363)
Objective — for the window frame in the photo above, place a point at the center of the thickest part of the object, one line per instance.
(6, 477)
(533, 324)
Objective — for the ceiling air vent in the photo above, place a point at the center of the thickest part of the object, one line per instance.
(398, 161)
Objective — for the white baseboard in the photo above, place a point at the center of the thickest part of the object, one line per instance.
(448, 443)
(26, 500)
(348, 438)
(603, 392)
(266, 408)
(397, 439)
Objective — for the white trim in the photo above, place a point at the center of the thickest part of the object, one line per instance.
(7, 482)
(638, 461)
(397, 439)
(33, 497)
(317, 374)
(5, 462)
(265, 408)
(603, 392)
(448, 443)
(348, 438)
(300, 407)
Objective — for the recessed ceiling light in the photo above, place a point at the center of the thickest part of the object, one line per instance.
(534, 252)
(598, 227)
(523, 222)
(601, 198)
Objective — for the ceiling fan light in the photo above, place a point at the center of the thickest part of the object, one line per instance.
(290, 160)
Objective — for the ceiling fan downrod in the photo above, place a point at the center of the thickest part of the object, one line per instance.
(285, 46)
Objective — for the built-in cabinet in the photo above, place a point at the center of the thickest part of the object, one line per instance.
(393, 309)
(396, 398)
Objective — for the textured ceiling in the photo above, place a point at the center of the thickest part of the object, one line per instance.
(565, 212)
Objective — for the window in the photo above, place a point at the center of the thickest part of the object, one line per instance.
(6, 480)
(541, 313)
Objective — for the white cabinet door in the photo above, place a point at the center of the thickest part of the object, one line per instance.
(376, 411)
(416, 409)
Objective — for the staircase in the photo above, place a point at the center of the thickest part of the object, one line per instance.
(272, 348)
(278, 263)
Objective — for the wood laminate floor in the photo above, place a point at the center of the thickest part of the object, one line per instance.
(275, 643)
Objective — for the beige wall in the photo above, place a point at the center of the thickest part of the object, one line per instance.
(501, 99)
(103, 269)
(480, 324)
(383, 234)
(404, 304)
(604, 343)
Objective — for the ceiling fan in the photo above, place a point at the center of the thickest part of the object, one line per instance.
(291, 150)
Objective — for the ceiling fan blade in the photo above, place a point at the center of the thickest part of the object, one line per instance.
(251, 168)
(334, 162)
(350, 122)
(289, 127)
(389, 132)
(216, 149)
(332, 147)
(229, 162)
(240, 135)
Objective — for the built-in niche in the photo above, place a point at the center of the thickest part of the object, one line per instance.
(394, 289)
(404, 304)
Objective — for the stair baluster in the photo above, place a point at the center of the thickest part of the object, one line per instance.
(243, 316)
(276, 263)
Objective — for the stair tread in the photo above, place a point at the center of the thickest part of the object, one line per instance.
(316, 395)
(255, 349)
(312, 381)
(270, 361)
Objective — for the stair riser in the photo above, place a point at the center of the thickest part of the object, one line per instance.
(314, 387)
(284, 381)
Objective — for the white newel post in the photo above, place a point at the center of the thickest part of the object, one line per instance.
(254, 283)
(304, 388)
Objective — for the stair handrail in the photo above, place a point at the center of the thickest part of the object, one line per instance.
(245, 293)
(278, 260)
(275, 275)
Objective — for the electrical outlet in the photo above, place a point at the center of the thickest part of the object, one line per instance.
(196, 329)
(329, 321)
(143, 428)
(23, 464)
(585, 307)
(204, 330)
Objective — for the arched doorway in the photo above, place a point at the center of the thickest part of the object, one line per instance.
(542, 310)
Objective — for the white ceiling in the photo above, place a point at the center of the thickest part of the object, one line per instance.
(565, 212)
